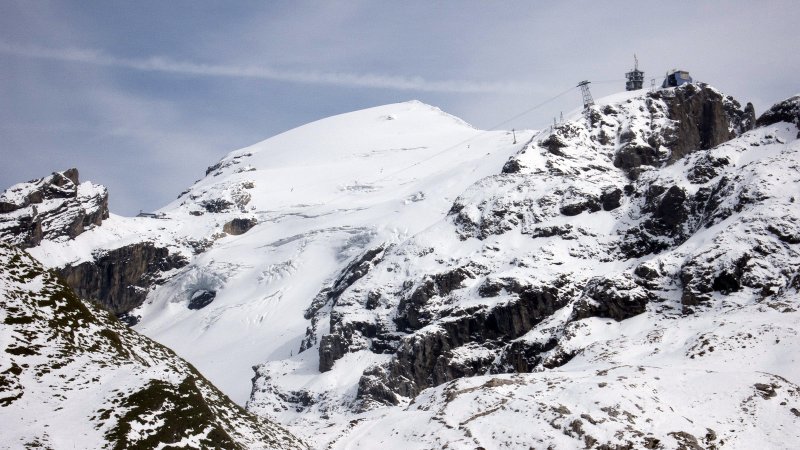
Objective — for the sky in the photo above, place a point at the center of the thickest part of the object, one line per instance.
(143, 96)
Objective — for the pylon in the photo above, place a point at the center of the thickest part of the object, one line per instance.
(587, 96)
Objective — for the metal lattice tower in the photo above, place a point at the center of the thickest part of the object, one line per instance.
(587, 96)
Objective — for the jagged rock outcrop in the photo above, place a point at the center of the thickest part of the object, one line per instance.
(234, 198)
(785, 111)
(333, 346)
(703, 118)
(700, 118)
(436, 356)
(216, 205)
(54, 207)
(764, 262)
(202, 298)
(617, 298)
(60, 208)
(119, 279)
(71, 374)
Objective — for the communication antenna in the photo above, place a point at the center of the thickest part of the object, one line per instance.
(635, 77)
(587, 96)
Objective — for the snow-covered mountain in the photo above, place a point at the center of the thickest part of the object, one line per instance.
(247, 247)
(72, 376)
(625, 279)
(629, 267)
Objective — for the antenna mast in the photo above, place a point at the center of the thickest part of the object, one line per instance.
(587, 96)
(635, 77)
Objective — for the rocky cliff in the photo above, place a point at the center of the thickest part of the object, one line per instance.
(119, 279)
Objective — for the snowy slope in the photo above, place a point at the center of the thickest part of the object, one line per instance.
(318, 195)
(628, 406)
(72, 376)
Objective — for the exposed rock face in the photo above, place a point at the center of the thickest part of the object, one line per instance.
(216, 205)
(704, 118)
(201, 299)
(757, 265)
(430, 358)
(618, 298)
(234, 198)
(611, 199)
(216, 168)
(54, 207)
(700, 118)
(334, 346)
(119, 279)
(785, 111)
(331, 348)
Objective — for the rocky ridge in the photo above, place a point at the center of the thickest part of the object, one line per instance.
(56, 207)
(72, 375)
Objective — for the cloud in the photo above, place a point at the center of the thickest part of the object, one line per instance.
(168, 65)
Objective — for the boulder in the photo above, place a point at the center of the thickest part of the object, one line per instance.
(239, 226)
